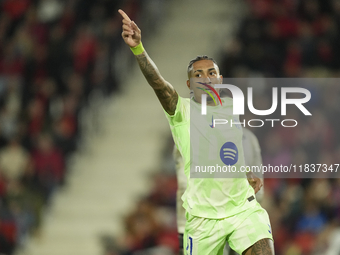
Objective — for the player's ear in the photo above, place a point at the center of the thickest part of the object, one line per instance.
(188, 84)
(221, 79)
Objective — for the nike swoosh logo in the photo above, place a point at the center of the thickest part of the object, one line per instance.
(212, 122)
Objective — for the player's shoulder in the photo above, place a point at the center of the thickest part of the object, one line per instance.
(182, 112)
(183, 101)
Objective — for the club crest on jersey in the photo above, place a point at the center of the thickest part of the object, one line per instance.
(229, 153)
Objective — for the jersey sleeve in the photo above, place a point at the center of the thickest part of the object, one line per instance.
(181, 114)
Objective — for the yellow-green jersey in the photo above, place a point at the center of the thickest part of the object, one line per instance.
(212, 197)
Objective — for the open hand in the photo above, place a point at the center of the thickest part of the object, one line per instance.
(131, 33)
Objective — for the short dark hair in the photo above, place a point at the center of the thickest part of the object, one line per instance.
(198, 58)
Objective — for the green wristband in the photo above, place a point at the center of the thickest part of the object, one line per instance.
(139, 49)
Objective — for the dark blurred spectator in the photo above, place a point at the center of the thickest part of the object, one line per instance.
(36, 114)
(54, 56)
(15, 8)
(65, 125)
(23, 208)
(8, 231)
(84, 47)
(49, 166)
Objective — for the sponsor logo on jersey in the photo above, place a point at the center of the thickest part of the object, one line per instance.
(212, 122)
(229, 153)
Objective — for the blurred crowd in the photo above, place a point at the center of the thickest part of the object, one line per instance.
(151, 228)
(291, 39)
(296, 39)
(288, 38)
(54, 56)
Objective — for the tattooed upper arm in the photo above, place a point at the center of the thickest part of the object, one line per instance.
(168, 98)
(165, 92)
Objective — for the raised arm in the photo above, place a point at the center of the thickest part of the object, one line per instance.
(165, 92)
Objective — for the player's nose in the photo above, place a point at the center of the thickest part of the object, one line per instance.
(206, 80)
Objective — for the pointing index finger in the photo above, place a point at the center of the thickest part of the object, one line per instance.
(124, 15)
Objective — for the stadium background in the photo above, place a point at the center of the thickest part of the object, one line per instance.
(85, 159)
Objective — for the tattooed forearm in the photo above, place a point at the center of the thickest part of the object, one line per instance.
(263, 247)
(150, 71)
(166, 94)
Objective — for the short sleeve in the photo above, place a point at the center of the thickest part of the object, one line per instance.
(182, 112)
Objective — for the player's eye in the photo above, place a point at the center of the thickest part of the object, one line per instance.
(212, 73)
(198, 75)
